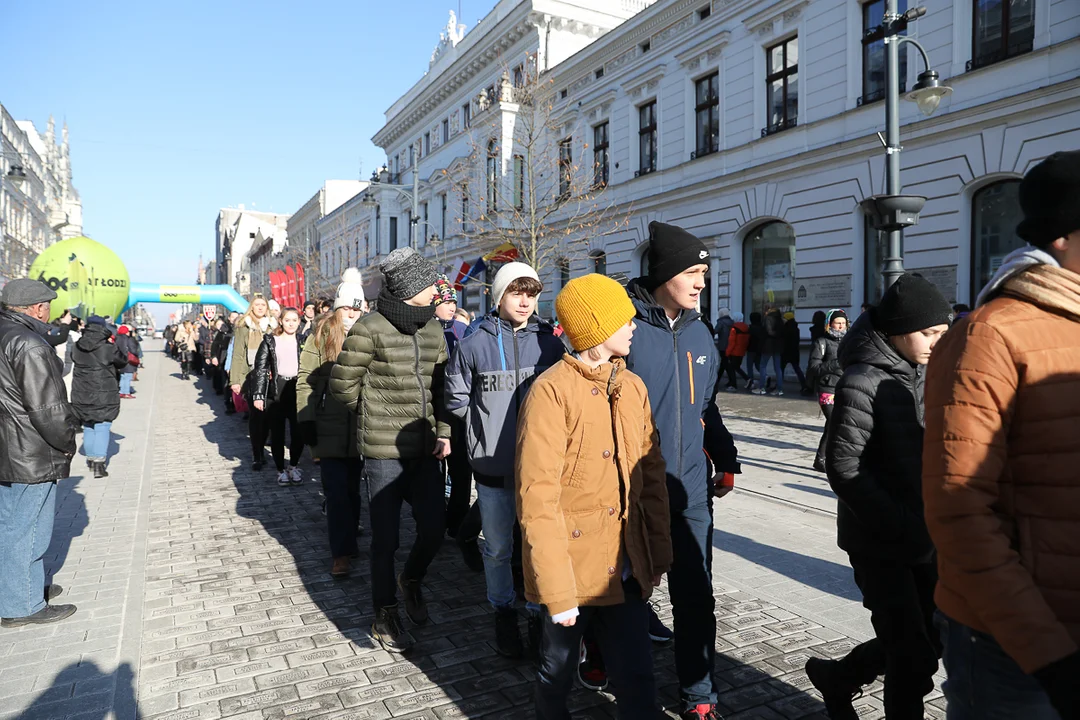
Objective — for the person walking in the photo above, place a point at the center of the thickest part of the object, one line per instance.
(34, 409)
(247, 337)
(95, 390)
(595, 525)
(273, 393)
(772, 350)
(824, 371)
(1000, 478)
(219, 346)
(676, 359)
(392, 372)
(722, 336)
(737, 345)
(127, 345)
(307, 321)
(329, 427)
(874, 465)
(753, 353)
(488, 378)
(792, 352)
(187, 345)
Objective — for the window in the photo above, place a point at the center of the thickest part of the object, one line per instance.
(519, 182)
(445, 129)
(643, 261)
(782, 86)
(769, 268)
(397, 168)
(876, 250)
(491, 176)
(412, 154)
(873, 53)
(707, 115)
(393, 233)
(378, 229)
(566, 170)
(704, 12)
(646, 46)
(425, 226)
(599, 261)
(489, 93)
(562, 94)
(427, 143)
(442, 215)
(995, 213)
(1001, 29)
(563, 266)
(466, 116)
(464, 208)
(410, 227)
(599, 73)
(646, 138)
(519, 76)
(600, 155)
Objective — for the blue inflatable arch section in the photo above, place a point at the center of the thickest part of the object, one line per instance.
(199, 294)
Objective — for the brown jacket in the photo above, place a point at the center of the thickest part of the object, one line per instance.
(581, 434)
(1001, 467)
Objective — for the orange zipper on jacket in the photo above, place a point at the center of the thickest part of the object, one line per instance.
(690, 367)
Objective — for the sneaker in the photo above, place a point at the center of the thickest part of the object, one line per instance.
(732, 388)
(758, 391)
(536, 634)
(702, 712)
(388, 631)
(507, 638)
(295, 477)
(258, 464)
(591, 671)
(47, 614)
(415, 607)
(283, 479)
(779, 393)
(658, 632)
(470, 552)
(836, 693)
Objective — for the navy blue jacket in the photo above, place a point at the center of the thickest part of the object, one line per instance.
(680, 365)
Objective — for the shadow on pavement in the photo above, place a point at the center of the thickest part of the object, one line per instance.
(72, 519)
(775, 444)
(823, 492)
(87, 692)
(774, 423)
(771, 465)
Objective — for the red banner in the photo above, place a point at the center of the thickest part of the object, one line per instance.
(290, 286)
(300, 289)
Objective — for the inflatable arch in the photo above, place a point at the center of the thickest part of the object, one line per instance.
(198, 294)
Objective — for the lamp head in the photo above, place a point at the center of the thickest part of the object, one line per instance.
(369, 200)
(17, 175)
(927, 92)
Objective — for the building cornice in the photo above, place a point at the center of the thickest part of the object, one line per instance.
(762, 21)
(704, 51)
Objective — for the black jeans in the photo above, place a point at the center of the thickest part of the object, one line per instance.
(257, 430)
(418, 482)
(693, 606)
(218, 377)
(794, 366)
(900, 599)
(341, 488)
(622, 632)
(734, 365)
(282, 410)
(460, 477)
(826, 410)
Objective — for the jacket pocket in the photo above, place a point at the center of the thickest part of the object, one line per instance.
(589, 541)
(577, 475)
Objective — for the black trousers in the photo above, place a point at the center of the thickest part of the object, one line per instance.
(794, 366)
(284, 410)
(622, 632)
(418, 482)
(341, 488)
(693, 605)
(826, 410)
(457, 506)
(257, 431)
(907, 646)
(734, 365)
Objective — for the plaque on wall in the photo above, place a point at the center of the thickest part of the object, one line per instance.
(832, 291)
(943, 278)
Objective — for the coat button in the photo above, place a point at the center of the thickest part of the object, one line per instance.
(595, 391)
(611, 571)
(611, 511)
(607, 454)
(576, 533)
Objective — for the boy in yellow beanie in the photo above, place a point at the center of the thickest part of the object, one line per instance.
(593, 504)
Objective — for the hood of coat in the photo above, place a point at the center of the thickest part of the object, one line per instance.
(863, 345)
(607, 377)
(93, 337)
(1050, 287)
(649, 311)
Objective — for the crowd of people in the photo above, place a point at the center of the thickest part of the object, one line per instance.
(596, 449)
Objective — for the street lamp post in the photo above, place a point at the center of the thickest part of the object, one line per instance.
(413, 197)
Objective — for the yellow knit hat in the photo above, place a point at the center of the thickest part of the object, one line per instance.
(591, 308)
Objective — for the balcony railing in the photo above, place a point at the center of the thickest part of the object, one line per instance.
(780, 126)
(713, 147)
(877, 96)
(999, 55)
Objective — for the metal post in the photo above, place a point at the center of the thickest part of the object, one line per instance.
(894, 264)
(415, 203)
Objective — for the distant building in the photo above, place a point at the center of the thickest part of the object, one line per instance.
(44, 207)
(306, 245)
(236, 231)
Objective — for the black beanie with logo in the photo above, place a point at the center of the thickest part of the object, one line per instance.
(911, 304)
(671, 251)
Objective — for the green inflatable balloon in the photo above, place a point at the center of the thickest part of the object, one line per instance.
(89, 278)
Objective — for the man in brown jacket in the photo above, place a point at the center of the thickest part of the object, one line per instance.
(1001, 470)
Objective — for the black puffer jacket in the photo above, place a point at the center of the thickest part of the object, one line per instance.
(128, 344)
(219, 348)
(95, 387)
(874, 458)
(824, 369)
(37, 427)
(773, 341)
(266, 384)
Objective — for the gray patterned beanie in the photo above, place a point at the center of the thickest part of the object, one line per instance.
(407, 273)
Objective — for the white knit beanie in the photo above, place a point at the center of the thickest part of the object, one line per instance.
(508, 274)
(350, 293)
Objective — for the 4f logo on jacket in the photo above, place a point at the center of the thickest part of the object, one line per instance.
(701, 360)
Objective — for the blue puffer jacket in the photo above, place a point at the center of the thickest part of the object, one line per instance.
(486, 381)
(679, 366)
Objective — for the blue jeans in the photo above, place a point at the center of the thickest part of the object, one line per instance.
(498, 513)
(26, 525)
(693, 605)
(983, 682)
(96, 441)
(763, 370)
(125, 383)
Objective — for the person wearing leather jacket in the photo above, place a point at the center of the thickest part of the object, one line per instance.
(277, 365)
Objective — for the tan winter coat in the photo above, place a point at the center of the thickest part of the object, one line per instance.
(1001, 467)
(591, 486)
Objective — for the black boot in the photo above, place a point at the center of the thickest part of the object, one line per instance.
(99, 470)
(836, 691)
(415, 607)
(507, 637)
(536, 634)
(388, 631)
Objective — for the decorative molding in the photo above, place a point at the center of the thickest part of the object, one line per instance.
(672, 31)
(709, 49)
(620, 60)
(599, 106)
(777, 11)
(636, 87)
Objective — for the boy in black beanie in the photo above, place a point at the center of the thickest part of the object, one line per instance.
(874, 464)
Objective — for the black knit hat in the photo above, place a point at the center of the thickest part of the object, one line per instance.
(1050, 199)
(911, 304)
(671, 251)
(407, 273)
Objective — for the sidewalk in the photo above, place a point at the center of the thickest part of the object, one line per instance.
(204, 589)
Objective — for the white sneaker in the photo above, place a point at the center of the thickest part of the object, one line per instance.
(758, 391)
(295, 476)
(283, 478)
(779, 392)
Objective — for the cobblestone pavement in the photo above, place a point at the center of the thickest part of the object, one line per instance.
(204, 589)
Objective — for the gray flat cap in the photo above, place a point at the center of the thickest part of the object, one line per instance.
(23, 292)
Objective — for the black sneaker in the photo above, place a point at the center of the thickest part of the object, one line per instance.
(47, 614)
(470, 552)
(415, 607)
(591, 671)
(100, 471)
(507, 638)
(388, 631)
(836, 693)
(536, 634)
(658, 632)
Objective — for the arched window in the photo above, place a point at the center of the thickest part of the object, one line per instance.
(769, 268)
(564, 272)
(599, 261)
(995, 213)
(643, 261)
(492, 175)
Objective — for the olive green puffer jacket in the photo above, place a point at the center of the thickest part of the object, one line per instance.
(335, 424)
(394, 382)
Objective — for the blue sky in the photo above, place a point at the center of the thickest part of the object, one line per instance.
(178, 109)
